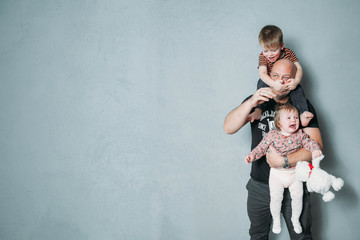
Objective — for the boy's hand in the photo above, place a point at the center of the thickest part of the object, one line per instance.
(291, 84)
(279, 86)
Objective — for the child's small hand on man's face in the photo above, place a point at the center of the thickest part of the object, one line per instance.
(279, 86)
(291, 84)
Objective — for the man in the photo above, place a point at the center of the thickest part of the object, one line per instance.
(258, 189)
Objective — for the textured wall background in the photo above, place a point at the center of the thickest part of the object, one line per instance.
(112, 112)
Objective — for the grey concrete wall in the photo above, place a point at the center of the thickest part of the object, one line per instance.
(112, 112)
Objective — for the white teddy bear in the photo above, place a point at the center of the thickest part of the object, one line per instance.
(317, 180)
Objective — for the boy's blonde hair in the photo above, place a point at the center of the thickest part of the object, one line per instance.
(282, 107)
(271, 36)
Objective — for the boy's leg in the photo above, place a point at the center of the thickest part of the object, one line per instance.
(298, 99)
(305, 218)
(258, 207)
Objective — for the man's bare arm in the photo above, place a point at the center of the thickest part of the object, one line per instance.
(238, 117)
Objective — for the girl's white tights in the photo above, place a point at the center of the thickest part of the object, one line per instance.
(279, 180)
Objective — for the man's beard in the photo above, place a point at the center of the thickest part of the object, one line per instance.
(282, 97)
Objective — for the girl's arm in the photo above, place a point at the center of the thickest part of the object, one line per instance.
(311, 146)
(274, 159)
(302, 154)
(262, 147)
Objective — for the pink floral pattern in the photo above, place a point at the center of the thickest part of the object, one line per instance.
(285, 144)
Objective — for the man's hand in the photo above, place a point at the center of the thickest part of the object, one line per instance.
(256, 115)
(273, 158)
(261, 95)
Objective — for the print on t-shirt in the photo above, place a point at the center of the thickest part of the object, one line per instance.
(269, 116)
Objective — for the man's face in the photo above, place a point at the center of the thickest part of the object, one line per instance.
(282, 72)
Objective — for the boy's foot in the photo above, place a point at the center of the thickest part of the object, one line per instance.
(255, 115)
(305, 118)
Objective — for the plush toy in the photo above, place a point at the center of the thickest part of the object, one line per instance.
(317, 180)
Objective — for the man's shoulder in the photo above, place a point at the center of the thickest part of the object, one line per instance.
(314, 121)
(308, 101)
(310, 106)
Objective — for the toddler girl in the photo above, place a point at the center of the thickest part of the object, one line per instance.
(286, 139)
